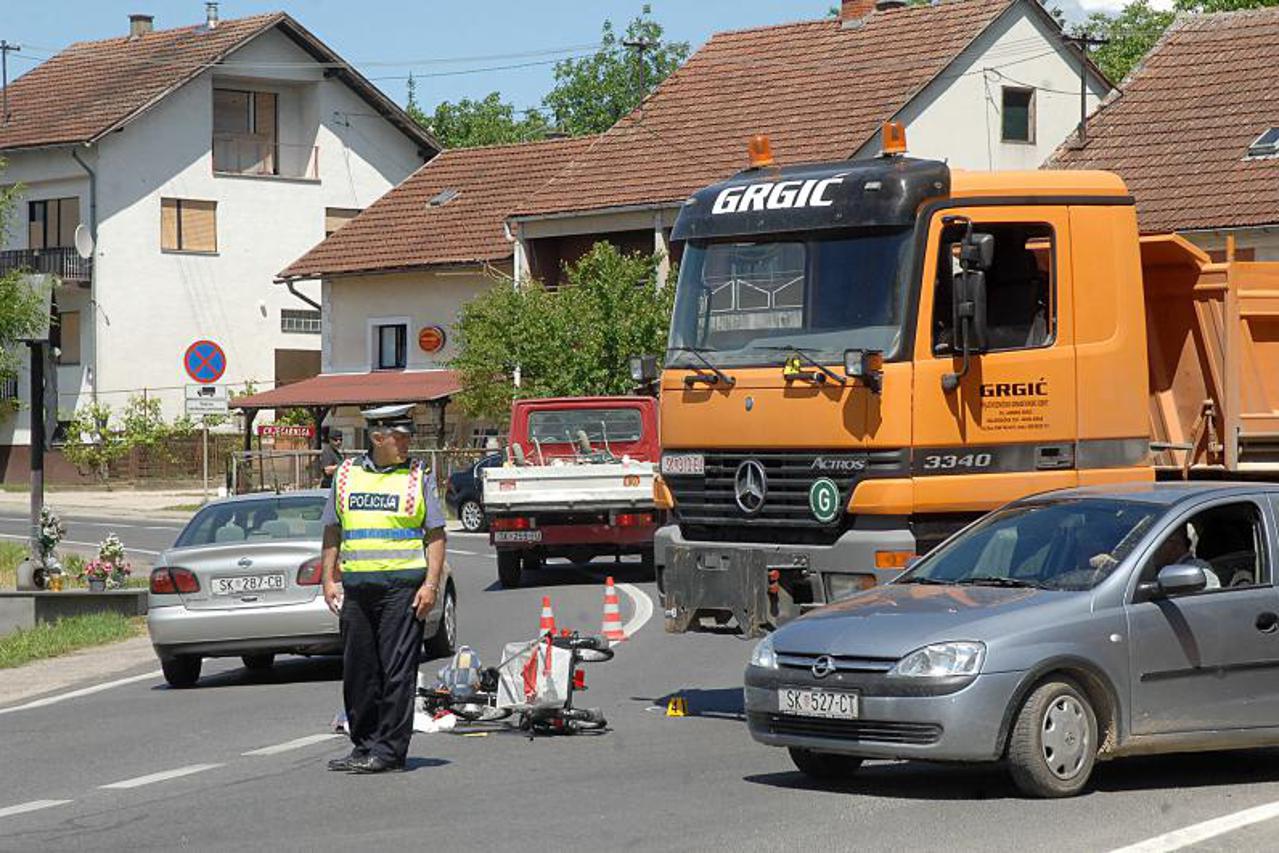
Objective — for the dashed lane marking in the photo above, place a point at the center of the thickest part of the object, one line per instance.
(84, 691)
(163, 776)
(33, 806)
(1198, 832)
(463, 553)
(296, 743)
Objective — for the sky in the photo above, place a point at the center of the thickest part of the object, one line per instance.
(455, 48)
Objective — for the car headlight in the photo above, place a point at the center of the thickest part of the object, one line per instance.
(941, 660)
(763, 655)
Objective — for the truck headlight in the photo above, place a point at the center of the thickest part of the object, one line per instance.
(763, 655)
(941, 660)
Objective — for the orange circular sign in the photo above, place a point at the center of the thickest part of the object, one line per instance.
(431, 339)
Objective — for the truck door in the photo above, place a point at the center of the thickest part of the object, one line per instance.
(1009, 428)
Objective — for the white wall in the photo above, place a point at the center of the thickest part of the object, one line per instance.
(1264, 241)
(957, 116)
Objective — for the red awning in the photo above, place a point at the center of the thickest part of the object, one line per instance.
(357, 389)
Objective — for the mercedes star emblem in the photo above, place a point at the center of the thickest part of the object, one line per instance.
(823, 666)
(750, 485)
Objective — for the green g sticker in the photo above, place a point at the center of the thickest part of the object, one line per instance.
(823, 500)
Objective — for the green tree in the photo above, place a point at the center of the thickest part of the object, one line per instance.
(1129, 34)
(574, 341)
(489, 121)
(592, 93)
(21, 308)
(91, 445)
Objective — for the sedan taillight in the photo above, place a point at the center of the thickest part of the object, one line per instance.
(168, 580)
(311, 572)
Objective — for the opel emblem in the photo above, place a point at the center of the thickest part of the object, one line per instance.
(750, 485)
(823, 666)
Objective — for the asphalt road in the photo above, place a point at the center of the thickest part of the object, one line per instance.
(238, 763)
(143, 539)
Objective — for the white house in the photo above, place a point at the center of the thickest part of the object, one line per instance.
(201, 160)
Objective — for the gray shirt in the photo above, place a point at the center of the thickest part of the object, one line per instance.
(434, 515)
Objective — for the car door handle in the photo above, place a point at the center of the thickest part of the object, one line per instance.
(1267, 622)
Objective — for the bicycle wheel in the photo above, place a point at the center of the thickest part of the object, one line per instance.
(475, 712)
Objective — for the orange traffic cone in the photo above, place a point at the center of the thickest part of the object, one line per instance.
(547, 624)
(612, 629)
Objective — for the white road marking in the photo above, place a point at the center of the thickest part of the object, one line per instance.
(464, 553)
(162, 776)
(86, 544)
(643, 608)
(1197, 832)
(84, 691)
(296, 743)
(33, 806)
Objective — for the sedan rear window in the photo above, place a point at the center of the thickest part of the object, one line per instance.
(1067, 544)
(256, 520)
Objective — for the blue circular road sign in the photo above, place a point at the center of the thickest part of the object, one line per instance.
(204, 361)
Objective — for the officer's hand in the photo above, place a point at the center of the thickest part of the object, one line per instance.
(333, 596)
(423, 601)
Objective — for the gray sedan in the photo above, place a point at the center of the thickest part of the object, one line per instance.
(1059, 630)
(243, 579)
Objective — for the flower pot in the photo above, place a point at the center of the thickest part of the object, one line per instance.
(97, 585)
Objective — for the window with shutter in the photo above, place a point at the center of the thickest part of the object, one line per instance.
(69, 334)
(188, 225)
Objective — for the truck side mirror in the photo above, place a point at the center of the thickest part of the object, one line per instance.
(970, 311)
(977, 251)
(643, 368)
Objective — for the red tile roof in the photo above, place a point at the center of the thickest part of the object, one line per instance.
(94, 87)
(1179, 130)
(819, 89)
(357, 389)
(402, 230)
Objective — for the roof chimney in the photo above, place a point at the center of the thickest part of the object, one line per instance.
(211, 15)
(140, 25)
(885, 5)
(855, 10)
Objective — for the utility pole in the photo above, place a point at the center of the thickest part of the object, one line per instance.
(1082, 42)
(5, 48)
(37, 445)
(640, 45)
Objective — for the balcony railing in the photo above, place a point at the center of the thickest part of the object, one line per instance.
(252, 155)
(65, 263)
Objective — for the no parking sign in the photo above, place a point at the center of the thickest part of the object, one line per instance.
(204, 361)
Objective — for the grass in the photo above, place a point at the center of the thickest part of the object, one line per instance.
(67, 635)
(182, 507)
(11, 553)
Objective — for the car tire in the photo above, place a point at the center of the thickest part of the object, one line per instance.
(258, 663)
(471, 515)
(508, 569)
(442, 643)
(1053, 745)
(182, 671)
(824, 765)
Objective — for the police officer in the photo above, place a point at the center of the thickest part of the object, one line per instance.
(384, 520)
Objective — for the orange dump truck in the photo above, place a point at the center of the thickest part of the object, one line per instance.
(866, 355)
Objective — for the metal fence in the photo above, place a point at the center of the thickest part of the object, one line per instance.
(290, 470)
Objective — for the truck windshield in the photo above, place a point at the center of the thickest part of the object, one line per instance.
(740, 301)
(548, 427)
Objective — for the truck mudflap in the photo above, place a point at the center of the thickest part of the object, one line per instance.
(728, 584)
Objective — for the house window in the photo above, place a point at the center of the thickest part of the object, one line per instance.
(1018, 115)
(51, 223)
(300, 321)
(187, 225)
(392, 346)
(245, 132)
(336, 217)
(69, 337)
(9, 389)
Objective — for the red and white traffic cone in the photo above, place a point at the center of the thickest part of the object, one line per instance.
(547, 623)
(612, 629)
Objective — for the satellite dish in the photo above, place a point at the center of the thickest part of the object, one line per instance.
(83, 242)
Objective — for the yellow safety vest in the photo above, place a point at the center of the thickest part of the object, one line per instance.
(383, 517)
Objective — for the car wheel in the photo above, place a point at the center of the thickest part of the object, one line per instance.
(258, 663)
(824, 765)
(471, 514)
(508, 569)
(442, 643)
(183, 671)
(1054, 742)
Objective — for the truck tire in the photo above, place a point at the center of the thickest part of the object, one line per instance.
(532, 562)
(182, 671)
(508, 569)
(258, 663)
(648, 563)
(827, 766)
(1053, 745)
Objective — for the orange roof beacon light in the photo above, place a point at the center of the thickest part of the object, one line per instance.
(760, 150)
(894, 138)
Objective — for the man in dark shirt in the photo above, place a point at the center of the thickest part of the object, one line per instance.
(330, 458)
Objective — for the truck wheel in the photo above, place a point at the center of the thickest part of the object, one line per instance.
(471, 514)
(508, 569)
(182, 671)
(824, 765)
(532, 562)
(1054, 742)
(648, 563)
(258, 663)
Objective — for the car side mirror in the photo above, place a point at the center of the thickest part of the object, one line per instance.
(1180, 579)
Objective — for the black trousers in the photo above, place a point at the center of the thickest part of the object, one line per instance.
(382, 640)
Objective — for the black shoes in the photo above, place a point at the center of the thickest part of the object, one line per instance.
(374, 764)
(347, 761)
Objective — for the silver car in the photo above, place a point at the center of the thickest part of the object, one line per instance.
(1062, 629)
(243, 578)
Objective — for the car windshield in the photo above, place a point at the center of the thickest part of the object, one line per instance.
(256, 520)
(746, 303)
(549, 427)
(1071, 544)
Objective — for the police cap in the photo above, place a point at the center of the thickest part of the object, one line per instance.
(397, 418)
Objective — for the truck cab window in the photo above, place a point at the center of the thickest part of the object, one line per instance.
(1019, 287)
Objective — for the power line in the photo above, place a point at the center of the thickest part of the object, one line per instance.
(5, 48)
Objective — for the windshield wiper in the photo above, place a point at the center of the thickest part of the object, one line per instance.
(805, 355)
(717, 376)
(991, 580)
(923, 580)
